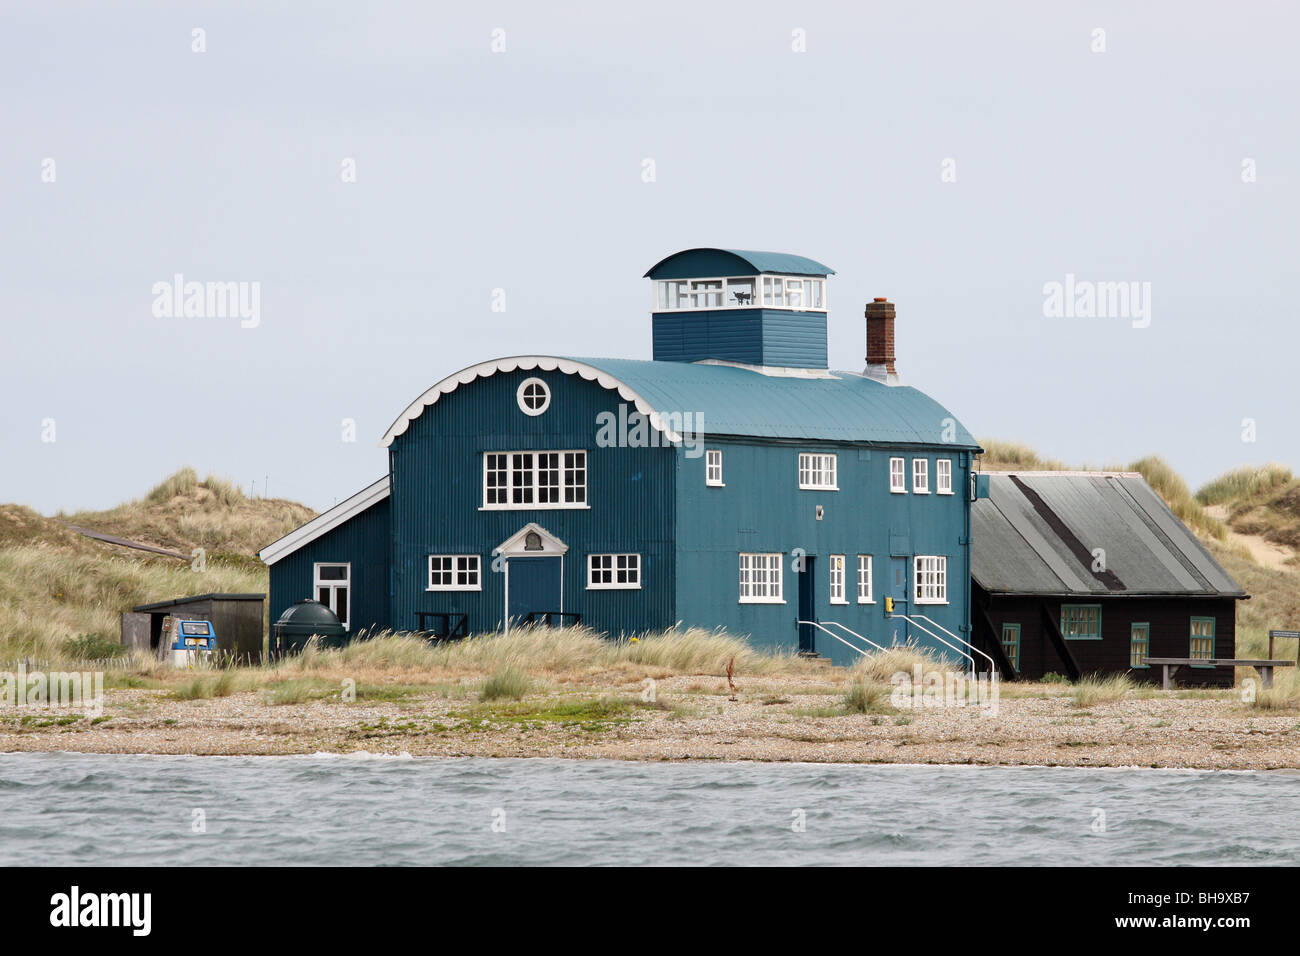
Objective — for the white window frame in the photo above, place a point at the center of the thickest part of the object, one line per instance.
(865, 576)
(836, 578)
(771, 566)
(473, 565)
(633, 565)
(524, 406)
(818, 465)
(713, 468)
(334, 584)
(898, 476)
(943, 476)
(534, 471)
(811, 289)
(920, 476)
(930, 579)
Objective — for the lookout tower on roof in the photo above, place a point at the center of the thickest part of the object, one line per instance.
(753, 308)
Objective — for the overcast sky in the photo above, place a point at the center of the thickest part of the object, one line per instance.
(956, 157)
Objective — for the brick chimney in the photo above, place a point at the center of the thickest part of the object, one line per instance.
(880, 342)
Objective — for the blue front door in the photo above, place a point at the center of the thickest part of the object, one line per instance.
(898, 591)
(807, 606)
(534, 586)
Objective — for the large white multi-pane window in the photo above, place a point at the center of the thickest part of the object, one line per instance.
(535, 479)
(454, 572)
(803, 293)
(837, 579)
(920, 476)
(760, 579)
(606, 572)
(864, 580)
(943, 476)
(817, 472)
(333, 585)
(713, 467)
(898, 476)
(930, 577)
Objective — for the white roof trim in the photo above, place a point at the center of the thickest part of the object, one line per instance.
(547, 363)
(325, 522)
(513, 546)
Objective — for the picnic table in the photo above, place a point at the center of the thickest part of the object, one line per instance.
(1265, 668)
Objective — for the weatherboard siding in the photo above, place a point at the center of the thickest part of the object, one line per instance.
(775, 337)
(1170, 636)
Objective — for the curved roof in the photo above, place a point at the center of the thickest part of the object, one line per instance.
(740, 400)
(707, 261)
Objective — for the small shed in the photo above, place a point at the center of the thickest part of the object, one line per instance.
(1091, 572)
(237, 619)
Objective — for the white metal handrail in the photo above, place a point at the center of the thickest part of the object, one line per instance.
(855, 634)
(851, 647)
(926, 630)
(993, 669)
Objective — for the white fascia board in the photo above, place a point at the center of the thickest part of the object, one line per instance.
(325, 522)
(547, 363)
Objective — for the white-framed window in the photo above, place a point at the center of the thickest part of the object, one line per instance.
(837, 579)
(608, 572)
(943, 476)
(865, 595)
(806, 293)
(533, 396)
(930, 579)
(455, 572)
(713, 467)
(817, 472)
(333, 586)
(920, 476)
(898, 476)
(534, 479)
(760, 579)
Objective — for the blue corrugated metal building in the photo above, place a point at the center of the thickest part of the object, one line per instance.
(732, 481)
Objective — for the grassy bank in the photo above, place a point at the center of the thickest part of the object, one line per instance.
(61, 592)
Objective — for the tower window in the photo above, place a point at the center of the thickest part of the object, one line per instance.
(741, 292)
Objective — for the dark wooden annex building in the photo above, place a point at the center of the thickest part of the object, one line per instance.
(1090, 573)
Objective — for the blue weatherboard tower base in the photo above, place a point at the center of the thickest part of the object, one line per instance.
(733, 481)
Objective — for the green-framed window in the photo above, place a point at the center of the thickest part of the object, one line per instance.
(1011, 643)
(1202, 647)
(1139, 645)
(1081, 622)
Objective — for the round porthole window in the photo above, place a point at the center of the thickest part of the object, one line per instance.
(534, 396)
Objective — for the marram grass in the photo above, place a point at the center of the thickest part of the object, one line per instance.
(1093, 689)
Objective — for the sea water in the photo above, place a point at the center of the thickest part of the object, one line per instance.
(73, 809)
